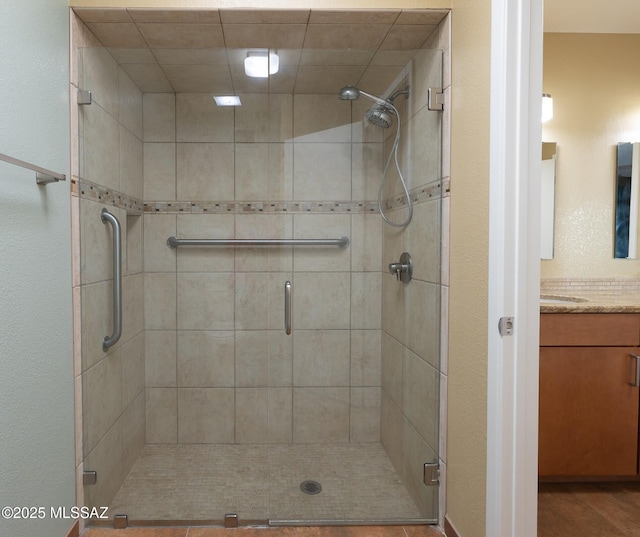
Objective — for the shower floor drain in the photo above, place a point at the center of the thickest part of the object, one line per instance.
(310, 487)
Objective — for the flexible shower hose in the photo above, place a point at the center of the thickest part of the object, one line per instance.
(394, 154)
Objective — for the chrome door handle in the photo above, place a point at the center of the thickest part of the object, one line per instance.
(287, 307)
(636, 374)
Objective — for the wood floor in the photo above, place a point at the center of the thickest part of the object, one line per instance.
(327, 531)
(589, 510)
(564, 510)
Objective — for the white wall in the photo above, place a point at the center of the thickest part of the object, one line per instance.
(36, 383)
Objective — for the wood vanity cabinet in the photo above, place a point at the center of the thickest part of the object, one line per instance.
(589, 407)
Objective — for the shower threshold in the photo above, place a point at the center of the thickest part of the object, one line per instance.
(200, 483)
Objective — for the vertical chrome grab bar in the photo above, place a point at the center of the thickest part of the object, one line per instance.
(107, 217)
(287, 307)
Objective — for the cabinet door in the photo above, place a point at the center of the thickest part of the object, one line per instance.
(588, 423)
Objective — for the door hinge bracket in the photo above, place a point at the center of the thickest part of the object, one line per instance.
(435, 99)
(83, 97)
(89, 477)
(431, 476)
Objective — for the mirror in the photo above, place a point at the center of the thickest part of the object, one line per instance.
(627, 179)
(547, 199)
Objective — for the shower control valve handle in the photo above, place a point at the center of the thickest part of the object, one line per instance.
(403, 269)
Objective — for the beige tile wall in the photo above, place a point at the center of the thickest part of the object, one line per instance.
(107, 157)
(414, 316)
(325, 380)
(219, 367)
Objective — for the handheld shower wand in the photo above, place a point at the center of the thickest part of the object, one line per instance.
(381, 116)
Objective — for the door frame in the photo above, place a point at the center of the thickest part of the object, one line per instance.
(514, 267)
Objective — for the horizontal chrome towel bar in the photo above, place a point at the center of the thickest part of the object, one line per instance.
(174, 242)
(43, 176)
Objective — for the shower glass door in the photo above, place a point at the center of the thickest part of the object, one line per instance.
(109, 293)
(213, 402)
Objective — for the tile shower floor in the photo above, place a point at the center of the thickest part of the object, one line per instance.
(259, 483)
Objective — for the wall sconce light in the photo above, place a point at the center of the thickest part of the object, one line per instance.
(547, 107)
(261, 63)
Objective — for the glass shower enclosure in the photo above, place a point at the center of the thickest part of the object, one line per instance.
(269, 368)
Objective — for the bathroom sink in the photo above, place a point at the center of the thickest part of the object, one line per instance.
(556, 299)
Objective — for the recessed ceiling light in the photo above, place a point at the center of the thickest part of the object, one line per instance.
(261, 63)
(227, 100)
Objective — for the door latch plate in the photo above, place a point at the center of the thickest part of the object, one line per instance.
(505, 326)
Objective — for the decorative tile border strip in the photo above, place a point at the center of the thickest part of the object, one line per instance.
(86, 190)
(267, 207)
(421, 194)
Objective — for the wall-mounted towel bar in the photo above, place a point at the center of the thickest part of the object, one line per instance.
(108, 341)
(174, 242)
(43, 176)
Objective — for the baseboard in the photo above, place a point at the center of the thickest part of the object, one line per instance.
(449, 530)
(74, 531)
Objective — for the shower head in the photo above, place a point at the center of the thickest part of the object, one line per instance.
(351, 93)
(380, 116)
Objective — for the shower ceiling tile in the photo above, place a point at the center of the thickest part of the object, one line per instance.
(209, 16)
(186, 56)
(102, 15)
(186, 37)
(244, 84)
(150, 78)
(264, 35)
(117, 34)
(132, 55)
(271, 16)
(421, 16)
(282, 82)
(348, 36)
(360, 16)
(336, 57)
(407, 36)
(199, 78)
(327, 78)
(392, 57)
(180, 35)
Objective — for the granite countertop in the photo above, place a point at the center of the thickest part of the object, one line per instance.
(589, 303)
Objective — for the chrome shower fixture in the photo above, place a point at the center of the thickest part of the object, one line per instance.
(382, 116)
(406, 91)
(351, 93)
